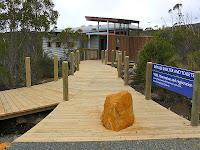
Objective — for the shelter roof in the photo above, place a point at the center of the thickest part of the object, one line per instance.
(114, 20)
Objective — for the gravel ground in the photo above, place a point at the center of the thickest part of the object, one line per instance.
(8, 138)
(170, 144)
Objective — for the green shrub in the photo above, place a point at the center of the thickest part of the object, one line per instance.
(159, 50)
(45, 67)
(4, 79)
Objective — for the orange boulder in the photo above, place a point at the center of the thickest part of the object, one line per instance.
(3, 146)
(118, 111)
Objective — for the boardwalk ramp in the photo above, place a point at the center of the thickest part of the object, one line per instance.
(78, 120)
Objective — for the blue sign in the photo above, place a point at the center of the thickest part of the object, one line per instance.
(174, 71)
(173, 83)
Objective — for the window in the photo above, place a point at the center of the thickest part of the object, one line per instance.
(57, 44)
(48, 44)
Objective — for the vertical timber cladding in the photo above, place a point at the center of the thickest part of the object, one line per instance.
(123, 45)
(132, 45)
(111, 46)
(136, 44)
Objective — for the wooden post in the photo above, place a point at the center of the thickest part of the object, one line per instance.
(195, 100)
(84, 54)
(106, 56)
(148, 81)
(65, 80)
(88, 55)
(102, 54)
(72, 63)
(126, 73)
(117, 58)
(119, 64)
(28, 72)
(124, 56)
(112, 58)
(77, 60)
(117, 54)
(55, 67)
(79, 56)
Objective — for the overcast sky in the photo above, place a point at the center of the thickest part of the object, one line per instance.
(149, 12)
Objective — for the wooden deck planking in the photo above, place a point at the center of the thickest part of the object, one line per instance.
(23, 101)
(15, 102)
(16, 95)
(79, 118)
(2, 112)
(5, 104)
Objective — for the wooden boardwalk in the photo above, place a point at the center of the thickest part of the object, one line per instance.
(79, 118)
(23, 101)
(28, 100)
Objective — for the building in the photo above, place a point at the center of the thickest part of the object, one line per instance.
(114, 35)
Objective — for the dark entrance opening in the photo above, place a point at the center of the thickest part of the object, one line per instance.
(102, 44)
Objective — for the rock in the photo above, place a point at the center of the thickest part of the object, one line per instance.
(118, 111)
(130, 82)
(3, 146)
(130, 70)
(21, 120)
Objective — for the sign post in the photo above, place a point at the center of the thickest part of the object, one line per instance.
(148, 81)
(184, 82)
(195, 100)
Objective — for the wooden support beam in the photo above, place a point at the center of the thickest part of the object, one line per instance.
(119, 65)
(55, 67)
(124, 56)
(106, 57)
(112, 58)
(79, 56)
(65, 80)
(148, 81)
(116, 55)
(77, 60)
(28, 72)
(88, 54)
(102, 54)
(72, 63)
(126, 73)
(84, 54)
(196, 100)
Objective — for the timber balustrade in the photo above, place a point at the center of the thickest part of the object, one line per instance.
(65, 70)
(90, 54)
(119, 63)
(77, 62)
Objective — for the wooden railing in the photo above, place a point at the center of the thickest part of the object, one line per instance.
(119, 63)
(65, 71)
(90, 54)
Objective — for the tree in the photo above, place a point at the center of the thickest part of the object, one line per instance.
(24, 21)
(70, 38)
(29, 15)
